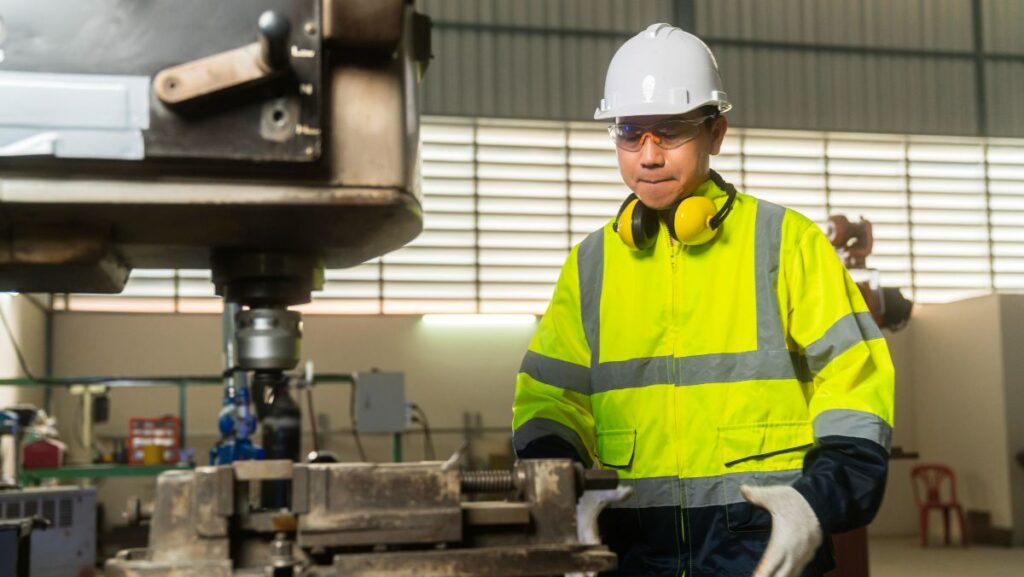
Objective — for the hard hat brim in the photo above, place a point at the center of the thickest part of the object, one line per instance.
(654, 109)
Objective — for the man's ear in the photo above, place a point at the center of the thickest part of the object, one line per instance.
(719, 126)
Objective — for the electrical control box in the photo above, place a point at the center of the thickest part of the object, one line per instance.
(380, 402)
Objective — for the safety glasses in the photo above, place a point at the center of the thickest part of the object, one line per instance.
(667, 134)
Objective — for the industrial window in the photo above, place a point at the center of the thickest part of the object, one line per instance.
(505, 200)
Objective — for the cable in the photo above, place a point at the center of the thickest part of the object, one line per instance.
(352, 418)
(17, 349)
(428, 444)
(312, 418)
(420, 416)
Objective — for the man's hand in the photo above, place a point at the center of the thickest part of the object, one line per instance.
(796, 532)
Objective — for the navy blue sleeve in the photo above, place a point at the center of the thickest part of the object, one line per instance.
(844, 481)
(549, 447)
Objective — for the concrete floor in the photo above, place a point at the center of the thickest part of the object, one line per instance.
(904, 557)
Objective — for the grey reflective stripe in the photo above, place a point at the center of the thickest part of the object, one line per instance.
(556, 372)
(762, 364)
(537, 428)
(852, 423)
(632, 373)
(699, 491)
(590, 264)
(695, 370)
(803, 372)
(650, 492)
(846, 332)
(725, 489)
(767, 245)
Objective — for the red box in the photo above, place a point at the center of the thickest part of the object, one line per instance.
(160, 431)
(43, 454)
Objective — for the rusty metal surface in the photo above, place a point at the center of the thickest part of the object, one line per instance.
(495, 513)
(375, 143)
(205, 76)
(375, 25)
(141, 567)
(209, 518)
(598, 479)
(368, 504)
(127, 37)
(170, 224)
(335, 174)
(172, 533)
(35, 254)
(200, 516)
(551, 486)
(107, 274)
(300, 490)
(269, 470)
(491, 562)
(269, 522)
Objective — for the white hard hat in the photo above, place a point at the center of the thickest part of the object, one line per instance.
(662, 70)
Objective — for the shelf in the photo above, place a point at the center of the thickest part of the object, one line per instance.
(98, 471)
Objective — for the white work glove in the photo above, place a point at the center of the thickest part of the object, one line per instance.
(590, 505)
(796, 532)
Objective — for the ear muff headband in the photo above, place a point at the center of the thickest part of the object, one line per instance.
(730, 191)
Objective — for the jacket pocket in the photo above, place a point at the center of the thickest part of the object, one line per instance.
(764, 446)
(759, 454)
(615, 447)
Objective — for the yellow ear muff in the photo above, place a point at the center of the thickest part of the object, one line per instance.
(636, 224)
(624, 223)
(691, 220)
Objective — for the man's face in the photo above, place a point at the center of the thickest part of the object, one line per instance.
(659, 177)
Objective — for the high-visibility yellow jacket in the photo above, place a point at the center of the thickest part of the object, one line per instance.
(694, 369)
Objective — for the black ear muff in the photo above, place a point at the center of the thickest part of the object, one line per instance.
(636, 224)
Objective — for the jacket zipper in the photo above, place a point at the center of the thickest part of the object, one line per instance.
(674, 328)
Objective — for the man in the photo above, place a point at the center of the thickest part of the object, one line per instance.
(710, 347)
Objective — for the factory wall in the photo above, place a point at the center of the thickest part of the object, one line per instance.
(27, 320)
(968, 398)
(960, 399)
(1012, 312)
(898, 515)
(929, 67)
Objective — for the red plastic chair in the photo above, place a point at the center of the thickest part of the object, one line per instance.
(929, 482)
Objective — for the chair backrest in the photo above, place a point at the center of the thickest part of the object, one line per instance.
(929, 482)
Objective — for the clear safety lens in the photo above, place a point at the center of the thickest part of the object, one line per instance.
(666, 134)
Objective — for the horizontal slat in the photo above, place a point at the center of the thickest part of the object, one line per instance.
(946, 153)
(395, 290)
(929, 248)
(523, 189)
(866, 150)
(548, 223)
(886, 168)
(412, 273)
